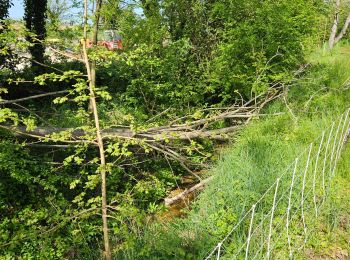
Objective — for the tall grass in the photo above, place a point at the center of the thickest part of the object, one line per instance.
(258, 155)
(331, 235)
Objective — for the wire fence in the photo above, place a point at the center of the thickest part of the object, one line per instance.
(281, 218)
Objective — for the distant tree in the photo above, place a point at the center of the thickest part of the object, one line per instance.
(56, 12)
(4, 12)
(150, 8)
(4, 9)
(35, 19)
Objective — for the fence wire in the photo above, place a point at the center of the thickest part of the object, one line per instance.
(296, 198)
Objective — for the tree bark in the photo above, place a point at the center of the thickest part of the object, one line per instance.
(343, 30)
(334, 29)
(35, 20)
(78, 135)
(91, 71)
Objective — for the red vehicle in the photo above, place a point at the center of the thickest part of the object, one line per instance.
(111, 40)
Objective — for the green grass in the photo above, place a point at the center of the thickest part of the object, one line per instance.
(258, 155)
(331, 236)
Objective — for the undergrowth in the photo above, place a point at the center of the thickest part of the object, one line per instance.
(257, 156)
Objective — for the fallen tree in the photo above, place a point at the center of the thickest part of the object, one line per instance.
(201, 128)
(161, 140)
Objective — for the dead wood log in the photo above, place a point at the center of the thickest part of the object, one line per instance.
(123, 133)
(183, 131)
(170, 201)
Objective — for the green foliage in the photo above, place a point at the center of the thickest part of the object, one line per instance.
(203, 53)
(23, 180)
(261, 42)
(4, 12)
(178, 57)
(260, 153)
(161, 82)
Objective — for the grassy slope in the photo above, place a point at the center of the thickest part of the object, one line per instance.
(259, 154)
(331, 238)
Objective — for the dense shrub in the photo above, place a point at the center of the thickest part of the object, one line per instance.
(209, 53)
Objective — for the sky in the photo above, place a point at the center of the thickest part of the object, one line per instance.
(17, 10)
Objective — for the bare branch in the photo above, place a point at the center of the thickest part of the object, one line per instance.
(66, 54)
(170, 201)
(5, 102)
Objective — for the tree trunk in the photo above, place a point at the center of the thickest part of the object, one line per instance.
(335, 25)
(343, 30)
(35, 20)
(91, 71)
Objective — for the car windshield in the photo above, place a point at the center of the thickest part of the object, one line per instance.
(117, 37)
(110, 35)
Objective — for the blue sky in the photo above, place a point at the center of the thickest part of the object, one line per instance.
(17, 10)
